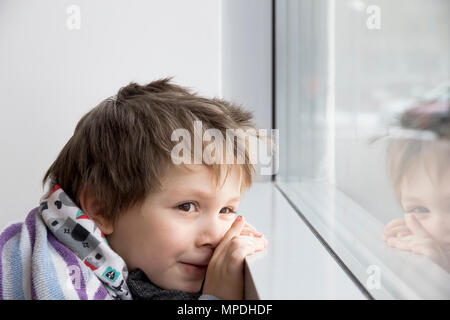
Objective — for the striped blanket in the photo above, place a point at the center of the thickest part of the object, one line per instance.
(59, 253)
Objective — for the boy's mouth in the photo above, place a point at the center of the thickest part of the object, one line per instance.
(191, 267)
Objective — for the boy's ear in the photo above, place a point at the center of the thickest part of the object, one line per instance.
(90, 207)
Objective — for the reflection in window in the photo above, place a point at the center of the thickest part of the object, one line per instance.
(362, 105)
(420, 171)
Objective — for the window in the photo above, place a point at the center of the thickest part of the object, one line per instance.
(362, 106)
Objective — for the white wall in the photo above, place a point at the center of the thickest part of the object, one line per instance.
(246, 68)
(247, 56)
(50, 76)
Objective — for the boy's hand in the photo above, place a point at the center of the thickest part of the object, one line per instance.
(409, 234)
(396, 228)
(225, 274)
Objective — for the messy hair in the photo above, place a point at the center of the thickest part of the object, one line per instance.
(403, 153)
(121, 148)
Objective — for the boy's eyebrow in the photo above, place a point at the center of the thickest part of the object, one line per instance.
(411, 198)
(235, 199)
(201, 194)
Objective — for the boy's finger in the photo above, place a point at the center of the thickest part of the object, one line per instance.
(235, 258)
(415, 226)
(247, 231)
(394, 231)
(399, 243)
(261, 243)
(258, 243)
(249, 226)
(403, 233)
(235, 230)
(394, 223)
(247, 247)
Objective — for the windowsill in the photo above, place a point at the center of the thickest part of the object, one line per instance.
(295, 264)
(355, 236)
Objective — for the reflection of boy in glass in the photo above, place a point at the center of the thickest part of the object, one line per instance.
(421, 174)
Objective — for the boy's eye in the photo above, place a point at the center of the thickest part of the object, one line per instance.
(187, 206)
(419, 209)
(227, 210)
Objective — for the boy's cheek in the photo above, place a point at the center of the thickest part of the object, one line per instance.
(170, 231)
(173, 241)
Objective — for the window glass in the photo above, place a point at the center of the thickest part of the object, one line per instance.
(362, 106)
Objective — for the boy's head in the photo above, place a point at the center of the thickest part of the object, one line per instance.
(420, 167)
(159, 216)
(421, 175)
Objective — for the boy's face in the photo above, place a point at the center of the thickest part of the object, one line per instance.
(425, 192)
(178, 227)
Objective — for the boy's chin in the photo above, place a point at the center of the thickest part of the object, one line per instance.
(186, 285)
(180, 284)
(189, 287)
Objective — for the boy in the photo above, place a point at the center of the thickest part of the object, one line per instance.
(121, 220)
(421, 175)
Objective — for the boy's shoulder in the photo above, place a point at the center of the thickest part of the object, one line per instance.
(13, 230)
(35, 265)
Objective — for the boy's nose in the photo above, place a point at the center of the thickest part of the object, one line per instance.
(211, 232)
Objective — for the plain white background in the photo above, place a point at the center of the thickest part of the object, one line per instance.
(50, 76)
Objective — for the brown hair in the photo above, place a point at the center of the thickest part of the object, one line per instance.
(121, 148)
(403, 153)
(406, 154)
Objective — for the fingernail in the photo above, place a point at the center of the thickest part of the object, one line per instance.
(239, 218)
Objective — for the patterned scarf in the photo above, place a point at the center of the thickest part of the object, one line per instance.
(73, 228)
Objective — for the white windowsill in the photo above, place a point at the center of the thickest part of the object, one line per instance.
(355, 236)
(295, 264)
